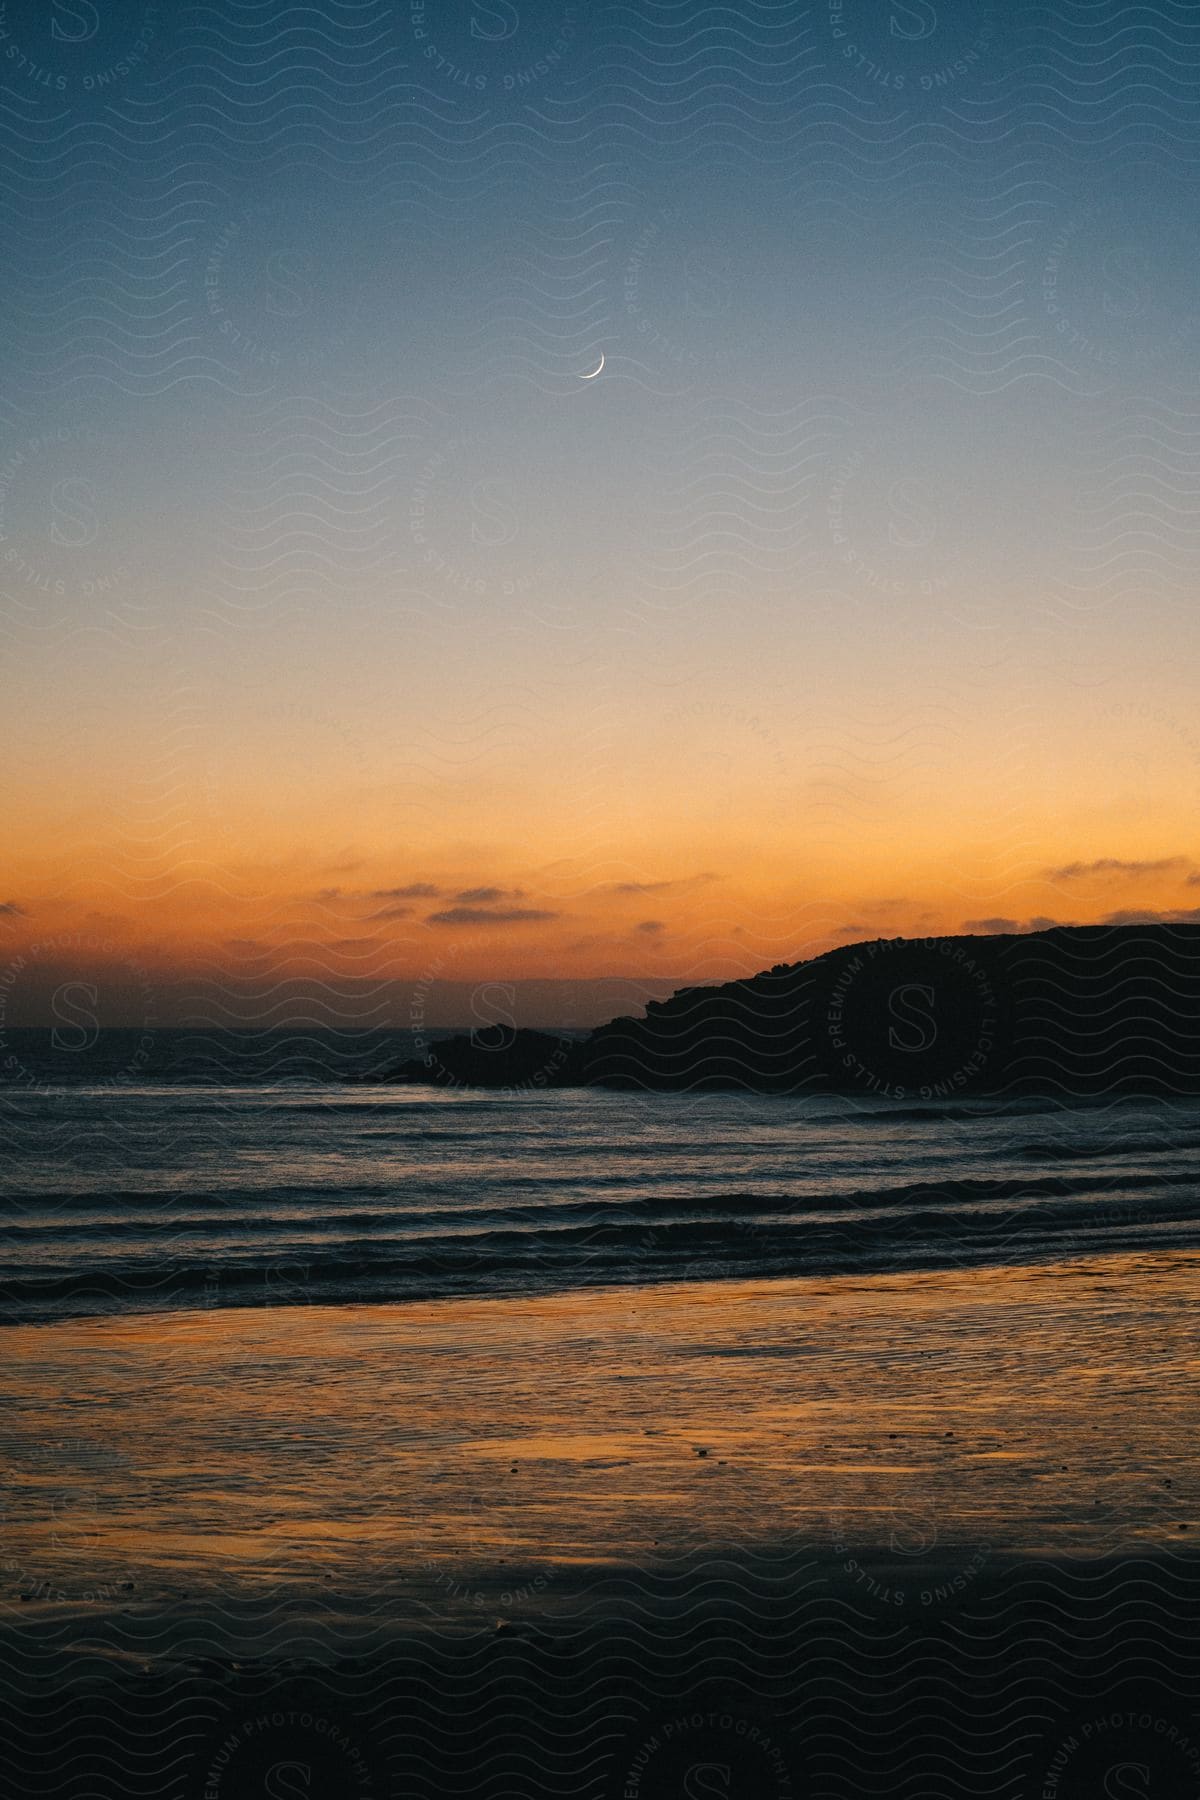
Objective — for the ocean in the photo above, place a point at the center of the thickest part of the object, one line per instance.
(364, 1439)
(250, 1170)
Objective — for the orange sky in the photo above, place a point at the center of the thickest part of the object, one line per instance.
(312, 842)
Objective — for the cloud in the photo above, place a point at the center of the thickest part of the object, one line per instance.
(487, 896)
(10, 910)
(480, 915)
(1012, 927)
(1182, 915)
(651, 927)
(659, 887)
(416, 890)
(1117, 865)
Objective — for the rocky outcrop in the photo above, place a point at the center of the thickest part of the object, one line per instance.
(1077, 1010)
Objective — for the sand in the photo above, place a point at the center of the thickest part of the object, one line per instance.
(843, 1536)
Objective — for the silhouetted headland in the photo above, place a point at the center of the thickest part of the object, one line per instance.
(1077, 1010)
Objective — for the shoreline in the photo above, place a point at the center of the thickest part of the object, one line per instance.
(839, 1538)
(1145, 1238)
(615, 1417)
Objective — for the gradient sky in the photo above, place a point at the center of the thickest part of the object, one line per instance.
(360, 653)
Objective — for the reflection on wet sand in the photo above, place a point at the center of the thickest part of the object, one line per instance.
(447, 1456)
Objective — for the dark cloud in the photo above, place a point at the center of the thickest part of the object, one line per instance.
(10, 910)
(487, 896)
(416, 890)
(659, 887)
(1182, 915)
(651, 927)
(1000, 927)
(1117, 865)
(481, 915)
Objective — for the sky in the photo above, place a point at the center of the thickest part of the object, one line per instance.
(371, 658)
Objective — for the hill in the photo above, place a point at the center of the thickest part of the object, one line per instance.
(1076, 1010)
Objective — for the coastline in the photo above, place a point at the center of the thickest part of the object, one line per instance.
(1069, 1011)
(511, 1542)
(596, 1426)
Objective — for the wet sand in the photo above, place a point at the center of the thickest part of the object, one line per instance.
(490, 1542)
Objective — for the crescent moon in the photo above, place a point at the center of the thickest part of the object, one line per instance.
(595, 371)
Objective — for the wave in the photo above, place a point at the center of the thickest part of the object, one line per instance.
(643, 1245)
(248, 1198)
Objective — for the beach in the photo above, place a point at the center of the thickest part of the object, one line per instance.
(576, 1517)
(600, 926)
